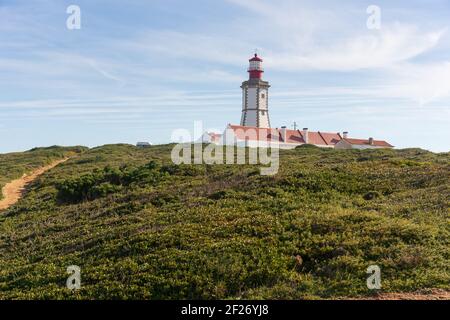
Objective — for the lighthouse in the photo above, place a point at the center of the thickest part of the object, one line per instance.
(255, 97)
(254, 130)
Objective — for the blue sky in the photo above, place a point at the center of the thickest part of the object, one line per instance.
(138, 70)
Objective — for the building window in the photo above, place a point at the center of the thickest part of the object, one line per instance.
(263, 96)
(263, 112)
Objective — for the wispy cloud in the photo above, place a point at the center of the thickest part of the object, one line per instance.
(424, 83)
(390, 46)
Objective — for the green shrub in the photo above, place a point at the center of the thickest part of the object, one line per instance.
(100, 183)
(371, 195)
(154, 230)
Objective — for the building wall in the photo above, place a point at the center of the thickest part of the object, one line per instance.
(345, 145)
(251, 118)
(244, 101)
(255, 111)
(361, 147)
(263, 99)
(252, 94)
(250, 107)
(263, 104)
(266, 144)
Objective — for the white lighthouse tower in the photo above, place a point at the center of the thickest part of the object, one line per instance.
(255, 97)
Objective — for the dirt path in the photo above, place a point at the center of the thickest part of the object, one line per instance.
(428, 294)
(435, 294)
(13, 191)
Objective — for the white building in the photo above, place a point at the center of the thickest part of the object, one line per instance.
(255, 130)
(143, 144)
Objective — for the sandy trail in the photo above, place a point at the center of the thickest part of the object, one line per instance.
(425, 294)
(13, 191)
(434, 294)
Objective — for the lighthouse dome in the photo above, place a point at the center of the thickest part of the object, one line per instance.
(256, 58)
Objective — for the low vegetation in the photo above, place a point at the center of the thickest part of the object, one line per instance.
(141, 227)
(14, 165)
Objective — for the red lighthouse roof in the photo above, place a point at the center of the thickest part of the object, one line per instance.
(256, 58)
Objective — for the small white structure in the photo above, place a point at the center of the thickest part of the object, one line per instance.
(210, 137)
(143, 144)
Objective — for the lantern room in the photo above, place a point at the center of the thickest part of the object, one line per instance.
(255, 68)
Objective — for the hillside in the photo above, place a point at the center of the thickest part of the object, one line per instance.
(142, 228)
(14, 165)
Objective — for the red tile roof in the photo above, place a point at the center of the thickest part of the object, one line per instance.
(377, 143)
(214, 136)
(256, 58)
(296, 136)
(330, 138)
(292, 136)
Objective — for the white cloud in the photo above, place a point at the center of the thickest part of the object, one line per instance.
(323, 37)
(391, 45)
(423, 83)
(100, 70)
(189, 46)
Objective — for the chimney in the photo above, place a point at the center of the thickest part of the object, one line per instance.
(283, 133)
(345, 134)
(371, 141)
(305, 135)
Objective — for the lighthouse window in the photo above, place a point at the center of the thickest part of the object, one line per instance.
(263, 96)
(263, 113)
(255, 65)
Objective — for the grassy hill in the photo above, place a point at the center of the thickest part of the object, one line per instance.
(142, 228)
(14, 165)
